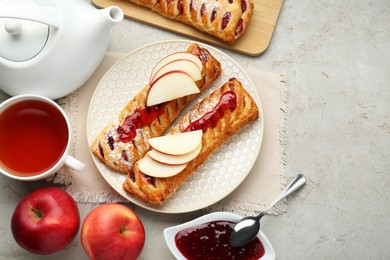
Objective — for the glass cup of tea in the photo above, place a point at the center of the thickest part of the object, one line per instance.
(35, 138)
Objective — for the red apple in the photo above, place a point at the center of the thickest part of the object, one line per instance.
(169, 159)
(112, 231)
(45, 221)
(177, 56)
(169, 86)
(156, 169)
(187, 66)
(177, 144)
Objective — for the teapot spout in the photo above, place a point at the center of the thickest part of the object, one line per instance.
(113, 14)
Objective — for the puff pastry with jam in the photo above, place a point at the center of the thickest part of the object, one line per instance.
(220, 115)
(225, 19)
(125, 140)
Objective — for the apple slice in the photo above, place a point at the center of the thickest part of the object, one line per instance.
(187, 66)
(169, 86)
(174, 159)
(177, 56)
(177, 144)
(155, 169)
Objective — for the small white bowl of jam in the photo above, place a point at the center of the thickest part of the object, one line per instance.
(207, 237)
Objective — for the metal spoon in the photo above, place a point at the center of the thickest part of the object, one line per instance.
(247, 228)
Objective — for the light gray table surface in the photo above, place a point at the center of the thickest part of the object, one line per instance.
(336, 55)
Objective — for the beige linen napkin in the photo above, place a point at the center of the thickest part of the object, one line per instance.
(262, 185)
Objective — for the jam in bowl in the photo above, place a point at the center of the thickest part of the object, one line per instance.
(207, 237)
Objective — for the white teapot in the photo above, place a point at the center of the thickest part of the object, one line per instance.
(51, 47)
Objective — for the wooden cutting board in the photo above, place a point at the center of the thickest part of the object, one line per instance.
(254, 42)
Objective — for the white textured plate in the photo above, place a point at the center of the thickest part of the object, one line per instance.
(224, 170)
(170, 233)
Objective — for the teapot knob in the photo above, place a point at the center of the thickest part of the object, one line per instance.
(13, 26)
(47, 15)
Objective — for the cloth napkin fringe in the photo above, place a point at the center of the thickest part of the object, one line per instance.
(282, 206)
(282, 137)
(96, 198)
(63, 177)
(85, 197)
(245, 208)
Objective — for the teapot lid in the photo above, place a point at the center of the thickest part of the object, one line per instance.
(21, 40)
(25, 28)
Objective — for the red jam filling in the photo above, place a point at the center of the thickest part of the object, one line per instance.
(244, 5)
(124, 156)
(203, 55)
(101, 150)
(132, 175)
(180, 6)
(111, 142)
(202, 9)
(228, 101)
(213, 15)
(225, 20)
(145, 178)
(149, 179)
(139, 119)
(239, 27)
(211, 241)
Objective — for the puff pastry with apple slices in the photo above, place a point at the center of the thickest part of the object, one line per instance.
(220, 115)
(225, 19)
(118, 148)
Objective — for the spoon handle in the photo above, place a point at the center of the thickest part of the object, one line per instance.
(292, 186)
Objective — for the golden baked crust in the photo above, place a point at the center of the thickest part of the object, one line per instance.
(158, 190)
(121, 155)
(225, 19)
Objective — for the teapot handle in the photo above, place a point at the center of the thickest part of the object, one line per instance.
(41, 14)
